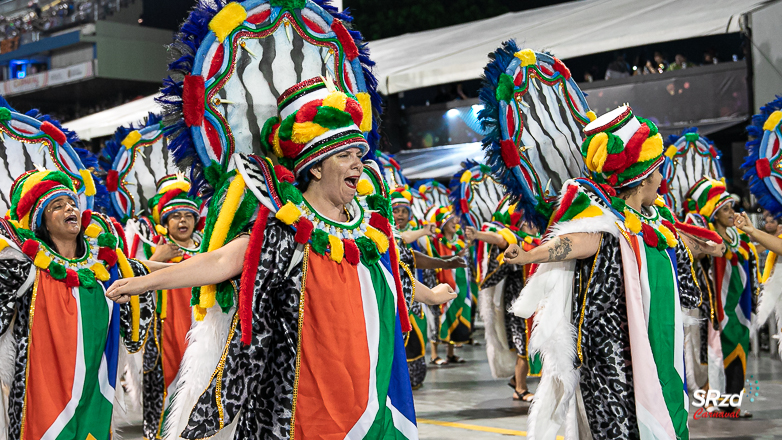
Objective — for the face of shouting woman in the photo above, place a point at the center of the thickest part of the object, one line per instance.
(337, 176)
(62, 219)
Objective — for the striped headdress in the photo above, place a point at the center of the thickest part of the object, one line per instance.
(172, 197)
(33, 191)
(314, 121)
(706, 197)
(401, 196)
(621, 149)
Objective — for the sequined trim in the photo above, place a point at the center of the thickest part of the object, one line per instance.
(305, 264)
(583, 303)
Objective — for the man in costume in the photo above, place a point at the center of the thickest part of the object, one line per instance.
(315, 345)
(174, 216)
(65, 338)
(608, 293)
(734, 275)
(507, 227)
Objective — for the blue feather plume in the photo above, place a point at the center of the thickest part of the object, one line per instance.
(766, 198)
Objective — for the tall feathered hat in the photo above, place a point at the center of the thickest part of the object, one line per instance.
(706, 197)
(32, 192)
(763, 168)
(621, 149)
(172, 197)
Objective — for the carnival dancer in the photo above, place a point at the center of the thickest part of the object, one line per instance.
(65, 338)
(174, 216)
(315, 345)
(416, 262)
(614, 258)
(735, 277)
(507, 227)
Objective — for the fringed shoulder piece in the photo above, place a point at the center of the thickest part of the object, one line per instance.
(584, 199)
(474, 194)
(762, 168)
(521, 119)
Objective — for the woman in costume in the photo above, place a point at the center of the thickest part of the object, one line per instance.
(507, 227)
(66, 337)
(608, 293)
(315, 346)
(734, 275)
(174, 219)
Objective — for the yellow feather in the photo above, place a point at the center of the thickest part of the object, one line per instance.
(3, 244)
(509, 236)
(632, 222)
(131, 139)
(100, 272)
(591, 115)
(651, 148)
(124, 266)
(163, 303)
(336, 99)
(288, 214)
(527, 57)
(669, 238)
(772, 121)
(33, 180)
(671, 151)
(466, 176)
(592, 211)
(304, 132)
(207, 297)
(135, 315)
(337, 250)
(225, 21)
(597, 152)
(364, 188)
(366, 106)
(199, 313)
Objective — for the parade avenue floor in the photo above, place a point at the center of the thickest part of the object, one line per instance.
(464, 402)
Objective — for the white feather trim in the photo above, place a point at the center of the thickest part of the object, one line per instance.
(770, 295)
(134, 379)
(7, 361)
(502, 360)
(206, 340)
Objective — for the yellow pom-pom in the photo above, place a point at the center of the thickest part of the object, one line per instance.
(304, 132)
(131, 139)
(591, 115)
(509, 236)
(407, 195)
(364, 188)
(528, 239)
(632, 222)
(597, 152)
(379, 238)
(422, 189)
(207, 297)
(511, 209)
(100, 272)
(288, 214)
(41, 260)
(337, 249)
(527, 57)
(671, 151)
(225, 21)
(89, 185)
(161, 230)
(366, 107)
(651, 148)
(466, 176)
(669, 237)
(336, 99)
(199, 313)
(92, 230)
(659, 201)
(772, 121)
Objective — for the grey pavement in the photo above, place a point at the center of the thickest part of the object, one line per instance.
(464, 402)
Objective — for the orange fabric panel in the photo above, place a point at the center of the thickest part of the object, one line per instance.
(175, 328)
(445, 275)
(53, 341)
(333, 386)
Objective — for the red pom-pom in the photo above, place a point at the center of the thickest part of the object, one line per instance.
(351, 51)
(670, 227)
(650, 236)
(308, 111)
(290, 149)
(86, 218)
(167, 197)
(613, 179)
(71, 278)
(304, 229)
(763, 168)
(32, 196)
(54, 132)
(509, 153)
(157, 239)
(352, 255)
(112, 181)
(30, 247)
(380, 223)
(108, 255)
(560, 67)
(193, 100)
(284, 174)
(354, 109)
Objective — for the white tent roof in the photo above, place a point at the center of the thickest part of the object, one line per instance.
(459, 53)
(106, 122)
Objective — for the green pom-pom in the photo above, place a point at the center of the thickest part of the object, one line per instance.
(286, 126)
(57, 270)
(692, 206)
(332, 118)
(225, 296)
(369, 252)
(378, 203)
(195, 297)
(666, 213)
(5, 114)
(618, 204)
(652, 127)
(290, 193)
(319, 241)
(86, 278)
(505, 88)
(615, 144)
(691, 137)
(107, 240)
(266, 132)
(662, 243)
(289, 4)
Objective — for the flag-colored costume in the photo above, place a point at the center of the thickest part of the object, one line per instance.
(64, 337)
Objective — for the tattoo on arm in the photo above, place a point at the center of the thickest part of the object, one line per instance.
(560, 249)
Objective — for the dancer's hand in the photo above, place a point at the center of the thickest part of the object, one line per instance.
(431, 229)
(441, 294)
(743, 222)
(515, 255)
(469, 233)
(166, 252)
(455, 262)
(122, 289)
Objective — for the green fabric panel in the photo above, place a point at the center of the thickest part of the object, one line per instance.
(93, 413)
(460, 331)
(734, 332)
(535, 365)
(662, 333)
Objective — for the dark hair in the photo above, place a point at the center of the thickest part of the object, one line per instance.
(42, 234)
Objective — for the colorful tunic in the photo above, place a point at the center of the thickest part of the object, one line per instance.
(64, 319)
(455, 325)
(736, 285)
(315, 347)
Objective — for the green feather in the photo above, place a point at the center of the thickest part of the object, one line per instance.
(505, 88)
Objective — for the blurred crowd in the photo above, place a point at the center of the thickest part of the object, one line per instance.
(658, 63)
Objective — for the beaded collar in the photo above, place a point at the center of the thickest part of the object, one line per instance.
(656, 226)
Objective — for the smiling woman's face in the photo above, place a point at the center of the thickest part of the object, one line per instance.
(339, 175)
(62, 218)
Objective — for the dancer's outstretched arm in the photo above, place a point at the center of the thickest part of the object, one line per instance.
(565, 247)
(774, 244)
(201, 270)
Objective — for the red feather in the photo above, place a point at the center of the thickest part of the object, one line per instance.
(54, 132)
(193, 100)
(112, 181)
(249, 272)
(27, 201)
(650, 236)
(86, 218)
(763, 167)
(509, 153)
(283, 174)
(351, 51)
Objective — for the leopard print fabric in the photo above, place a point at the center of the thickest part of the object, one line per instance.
(146, 313)
(258, 379)
(417, 370)
(606, 371)
(515, 327)
(689, 289)
(154, 381)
